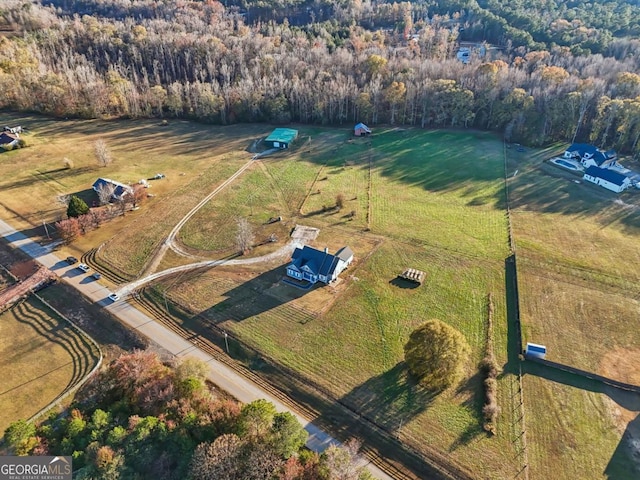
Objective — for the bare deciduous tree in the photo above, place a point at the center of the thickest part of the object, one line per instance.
(105, 192)
(103, 154)
(344, 461)
(68, 229)
(97, 217)
(121, 203)
(220, 459)
(138, 195)
(63, 200)
(244, 236)
(85, 222)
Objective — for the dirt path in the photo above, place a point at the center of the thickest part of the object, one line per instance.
(170, 241)
(283, 252)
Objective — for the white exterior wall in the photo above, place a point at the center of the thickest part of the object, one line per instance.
(608, 185)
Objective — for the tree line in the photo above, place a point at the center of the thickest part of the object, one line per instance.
(139, 418)
(200, 60)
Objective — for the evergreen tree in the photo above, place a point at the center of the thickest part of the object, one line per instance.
(77, 207)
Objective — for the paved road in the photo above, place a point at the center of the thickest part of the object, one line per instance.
(226, 378)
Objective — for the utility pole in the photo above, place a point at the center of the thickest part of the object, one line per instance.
(44, 224)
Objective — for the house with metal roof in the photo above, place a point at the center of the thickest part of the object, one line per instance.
(119, 189)
(281, 138)
(361, 130)
(609, 179)
(589, 155)
(313, 265)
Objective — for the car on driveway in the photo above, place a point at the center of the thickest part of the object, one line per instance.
(84, 267)
(71, 260)
(114, 297)
(96, 275)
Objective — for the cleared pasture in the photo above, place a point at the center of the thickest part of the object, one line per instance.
(41, 356)
(354, 349)
(434, 201)
(577, 259)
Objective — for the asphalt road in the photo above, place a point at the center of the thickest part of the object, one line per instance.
(221, 375)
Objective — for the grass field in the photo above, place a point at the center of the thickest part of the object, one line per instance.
(349, 338)
(577, 259)
(430, 200)
(41, 356)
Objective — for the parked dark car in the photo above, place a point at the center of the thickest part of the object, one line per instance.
(71, 260)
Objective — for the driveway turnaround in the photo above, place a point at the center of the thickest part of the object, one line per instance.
(226, 378)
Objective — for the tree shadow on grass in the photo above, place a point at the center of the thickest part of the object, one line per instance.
(391, 399)
(514, 332)
(472, 388)
(380, 408)
(621, 463)
(552, 191)
(56, 176)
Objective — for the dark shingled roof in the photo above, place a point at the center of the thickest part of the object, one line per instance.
(319, 262)
(606, 174)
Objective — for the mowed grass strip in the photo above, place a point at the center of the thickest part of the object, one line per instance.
(40, 356)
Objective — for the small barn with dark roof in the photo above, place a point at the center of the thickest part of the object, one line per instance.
(313, 265)
(281, 138)
(609, 179)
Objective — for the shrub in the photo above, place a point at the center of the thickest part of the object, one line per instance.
(68, 163)
(490, 410)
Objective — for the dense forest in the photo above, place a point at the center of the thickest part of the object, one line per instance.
(540, 71)
(142, 419)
